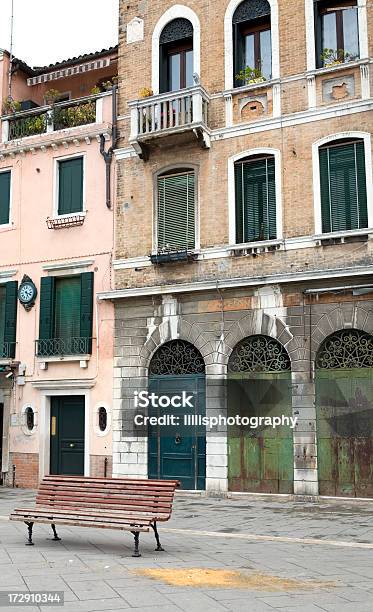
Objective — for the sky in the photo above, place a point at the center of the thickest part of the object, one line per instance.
(46, 31)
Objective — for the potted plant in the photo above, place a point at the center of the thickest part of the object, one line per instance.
(145, 92)
(51, 96)
(333, 57)
(250, 76)
(10, 106)
(95, 90)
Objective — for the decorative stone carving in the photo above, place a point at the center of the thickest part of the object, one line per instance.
(252, 107)
(177, 29)
(339, 88)
(135, 30)
(346, 349)
(251, 9)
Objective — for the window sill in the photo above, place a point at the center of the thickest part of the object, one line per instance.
(6, 227)
(251, 87)
(59, 358)
(337, 67)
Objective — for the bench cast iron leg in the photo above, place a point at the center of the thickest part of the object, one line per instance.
(159, 546)
(29, 539)
(55, 533)
(136, 535)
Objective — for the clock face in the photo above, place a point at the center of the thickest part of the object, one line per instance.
(26, 293)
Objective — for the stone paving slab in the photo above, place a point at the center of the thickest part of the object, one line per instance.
(95, 568)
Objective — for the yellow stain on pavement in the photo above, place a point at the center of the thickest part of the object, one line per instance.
(230, 579)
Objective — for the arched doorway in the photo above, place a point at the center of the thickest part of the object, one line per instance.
(344, 396)
(178, 451)
(259, 385)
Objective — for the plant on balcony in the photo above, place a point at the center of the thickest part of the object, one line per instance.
(74, 116)
(110, 83)
(145, 92)
(10, 106)
(333, 57)
(51, 96)
(95, 90)
(249, 76)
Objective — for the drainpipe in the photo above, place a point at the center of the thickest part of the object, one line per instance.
(108, 155)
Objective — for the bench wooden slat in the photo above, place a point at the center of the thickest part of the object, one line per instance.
(77, 515)
(81, 523)
(75, 509)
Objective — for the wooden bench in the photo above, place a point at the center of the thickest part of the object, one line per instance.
(105, 503)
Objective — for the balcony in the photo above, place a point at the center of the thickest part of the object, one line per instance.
(7, 350)
(62, 347)
(173, 118)
(52, 118)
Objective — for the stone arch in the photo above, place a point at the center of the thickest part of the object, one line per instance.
(347, 316)
(259, 353)
(347, 348)
(177, 357)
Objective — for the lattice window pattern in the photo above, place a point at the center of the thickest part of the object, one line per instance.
(259, 354)
(350, 348)
(251, 9)
(178, 29)
(177, 358)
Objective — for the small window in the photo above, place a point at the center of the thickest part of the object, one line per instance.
(337, 35)
(30, 418)
(176, 55)
(343, 186)
(176, 211)
(5, 197)
(252, 42)
(70, 186)
(102, 419)
(255, 199)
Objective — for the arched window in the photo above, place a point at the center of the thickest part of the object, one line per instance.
(343, 187)
(337, 32)
(349, 348)
(252, 41)
(176, 204)
(176, 55)
(255, 184)
(259, 354)
(177, 357)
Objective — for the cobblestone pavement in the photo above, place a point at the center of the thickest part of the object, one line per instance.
(326, 541)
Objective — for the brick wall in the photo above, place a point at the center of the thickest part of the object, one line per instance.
(27, 470)
(97, 466)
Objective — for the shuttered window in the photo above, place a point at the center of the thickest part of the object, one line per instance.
(66, 312)
(255, 200)
(176, 215)
(70, 186)
(4, 197)
(343, 187)
(8, 319)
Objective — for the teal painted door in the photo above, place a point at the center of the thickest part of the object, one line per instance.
(179, 452)
(67, 435)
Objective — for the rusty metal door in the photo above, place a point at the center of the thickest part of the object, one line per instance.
(344, 401)
(262, 459)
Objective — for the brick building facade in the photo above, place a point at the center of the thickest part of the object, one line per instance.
(243, 233)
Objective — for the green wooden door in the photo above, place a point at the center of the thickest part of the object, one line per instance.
(260, 460)
(178, 452)
(67, 435)
(344, 400)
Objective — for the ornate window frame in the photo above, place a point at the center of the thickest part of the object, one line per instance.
(257, 344)
(178, 10)
(366, 137)
(311, 36)
(232, 191)
(330, 360)
(228, 41)
(197, 362)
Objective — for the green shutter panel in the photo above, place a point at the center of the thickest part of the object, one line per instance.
(176, 212)
(238, 171)
(239, 54)
(4, 197)
(70, 186)
(86, 308)
(10, 323)
(361, 185)
(325, 191)
(46, 316)
(67, 311)
(258, 200)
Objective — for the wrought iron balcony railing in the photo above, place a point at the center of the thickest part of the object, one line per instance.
(55, 117)
(61, 347)
(169, 112)
(7, 350)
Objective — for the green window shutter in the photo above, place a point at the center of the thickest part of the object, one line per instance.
(10, 318)
(256, 200)
(46, 316)
(67, 308)
(2, 317)
(343, 187)
(176, 211)
(86, 307)
(5, 178)
(70, 186)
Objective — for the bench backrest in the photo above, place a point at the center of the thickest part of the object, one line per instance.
(120, 494)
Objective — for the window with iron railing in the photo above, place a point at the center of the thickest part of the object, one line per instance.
(8, 319)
